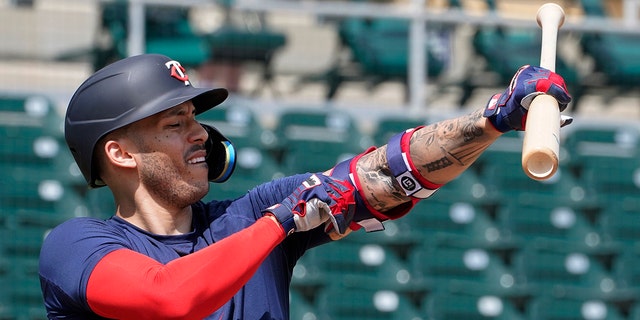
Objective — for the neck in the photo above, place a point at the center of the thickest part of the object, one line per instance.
(157, 218)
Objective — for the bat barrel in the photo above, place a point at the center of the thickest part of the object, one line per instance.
(541, 143)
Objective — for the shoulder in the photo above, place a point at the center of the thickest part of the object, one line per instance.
(80, 229)
(70, 252)
(87, 236)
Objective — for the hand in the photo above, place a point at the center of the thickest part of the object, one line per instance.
(319, 200)
(508, 110)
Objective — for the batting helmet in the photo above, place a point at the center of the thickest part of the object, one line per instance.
(130, 90)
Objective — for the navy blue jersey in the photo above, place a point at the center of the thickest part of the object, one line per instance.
(72, 250)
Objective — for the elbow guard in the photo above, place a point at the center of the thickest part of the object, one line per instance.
(413, 184)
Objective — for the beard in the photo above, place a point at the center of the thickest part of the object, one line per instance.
(165, 182)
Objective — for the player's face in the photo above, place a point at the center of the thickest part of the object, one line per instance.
(172, 156)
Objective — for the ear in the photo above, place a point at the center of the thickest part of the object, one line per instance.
(117, 154)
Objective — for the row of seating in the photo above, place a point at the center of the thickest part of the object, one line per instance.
(390, 305)
(378, 48)
(445, 268)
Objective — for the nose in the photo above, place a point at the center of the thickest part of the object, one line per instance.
(199, 133)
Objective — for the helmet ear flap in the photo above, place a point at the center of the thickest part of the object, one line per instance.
(221, 155)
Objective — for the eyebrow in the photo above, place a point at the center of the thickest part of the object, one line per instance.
(179, 110)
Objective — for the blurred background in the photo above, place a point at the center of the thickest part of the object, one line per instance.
(315, 82)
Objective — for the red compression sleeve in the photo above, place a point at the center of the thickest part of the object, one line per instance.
(129, 285)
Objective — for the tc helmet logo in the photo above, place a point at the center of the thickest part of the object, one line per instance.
(178, 71)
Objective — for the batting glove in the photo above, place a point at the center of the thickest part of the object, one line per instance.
(319, 200)
(508, 110)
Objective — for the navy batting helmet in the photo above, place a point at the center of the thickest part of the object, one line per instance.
(130, 90)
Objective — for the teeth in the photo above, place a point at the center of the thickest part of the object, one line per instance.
(196, 160)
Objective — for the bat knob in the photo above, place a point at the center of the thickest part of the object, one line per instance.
(550, 13)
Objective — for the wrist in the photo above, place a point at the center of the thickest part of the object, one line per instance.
(494, 115)
(283, 217)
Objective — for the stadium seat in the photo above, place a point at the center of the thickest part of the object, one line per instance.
(586, 139)
(28, 107)
(379, 51)
(344, 303)
(572, 308)
(391, 125)
(562, 271)
(611, 179)
(468, 187)
(619, 224)
(168, 31)
(432, 219)
(236, 43)
(550, 222)
(100, 203)
(253, 167)
(500, 168)
(396, 236)
(300, 307)
(524, 48)
(22, 242)
(238, 122)
(449, 267)
(23, 189)
(615, 56)
(456, 306)
(625, 271)
(315, 140)
(352, 265)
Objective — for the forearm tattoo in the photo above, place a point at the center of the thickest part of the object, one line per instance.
(440, 151)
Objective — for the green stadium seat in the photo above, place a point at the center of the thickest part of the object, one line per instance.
(24, 190)
(468, 187)
(397, 236)
(500, 168)
(550, 222)
(235, 43)
(100, 203)
(239, 124)
(33, 106)
(449, 267)
(619, 224)
(524, 48)
(625, 271)
(611, 179)
(168, 31)
(432, 219)
(391, 125)
(456, 306)
(344, 303)
(352, 265)
(253, 167)
(634, 312)
(315, 140)
(615, 56)
(562, 271)
(589, 138)
(23, 242)
(300, 307)
(552, 308)
(379, 51)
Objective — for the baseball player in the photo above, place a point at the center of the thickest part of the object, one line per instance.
(166, 254)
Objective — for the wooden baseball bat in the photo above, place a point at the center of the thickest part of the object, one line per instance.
(541, 143)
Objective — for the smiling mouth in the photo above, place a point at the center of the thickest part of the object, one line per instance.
(196, 160)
